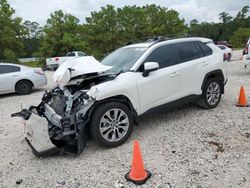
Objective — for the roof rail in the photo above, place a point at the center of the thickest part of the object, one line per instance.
(154, 39)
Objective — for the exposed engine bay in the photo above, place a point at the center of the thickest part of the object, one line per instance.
(58, 123)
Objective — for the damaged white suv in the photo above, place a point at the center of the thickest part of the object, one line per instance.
(105, 99)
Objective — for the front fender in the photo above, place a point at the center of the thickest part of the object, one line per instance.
(124, 85)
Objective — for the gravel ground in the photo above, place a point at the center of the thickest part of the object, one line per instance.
(186, 147)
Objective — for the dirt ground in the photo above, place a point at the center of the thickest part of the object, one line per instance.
(186, 147)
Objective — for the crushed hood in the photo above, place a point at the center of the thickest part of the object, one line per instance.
(77, 66)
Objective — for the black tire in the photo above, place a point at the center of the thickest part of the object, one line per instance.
(99, 113)
(204, 101)
(24, 87)
(229, 57)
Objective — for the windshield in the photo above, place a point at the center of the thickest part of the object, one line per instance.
(123, 58)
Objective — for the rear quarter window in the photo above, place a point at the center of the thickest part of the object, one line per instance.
(205, 49)
(81, 54)
(71, 54)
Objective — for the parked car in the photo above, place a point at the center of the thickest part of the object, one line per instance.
(107, 98)
(54, 62)
(20, 79)
(225, 43)
(227, 52)
(246, 54)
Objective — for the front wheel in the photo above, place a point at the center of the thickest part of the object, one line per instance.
(211, 94)
(111, 124)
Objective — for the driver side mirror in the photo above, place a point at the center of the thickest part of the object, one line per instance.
(149, 67)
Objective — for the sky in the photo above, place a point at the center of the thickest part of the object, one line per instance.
(202, 10)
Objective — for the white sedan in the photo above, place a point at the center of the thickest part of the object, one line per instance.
(227, 52)
(20, 79)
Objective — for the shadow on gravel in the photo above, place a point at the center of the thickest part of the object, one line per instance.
(176, 112)
(16, 95)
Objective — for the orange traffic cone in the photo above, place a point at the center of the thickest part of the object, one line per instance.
(242, 102)
(137, 174)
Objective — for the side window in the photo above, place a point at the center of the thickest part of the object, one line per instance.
(161, 55)
(81, 54)
(71, 54)
(206, 50)
(222, 47)
(8, 69)
(187, 51)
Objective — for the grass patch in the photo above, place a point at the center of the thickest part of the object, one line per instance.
(238, 48)
(32, 64)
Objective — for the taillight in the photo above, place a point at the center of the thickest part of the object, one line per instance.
(224, 57)
(57, 58)
(39, 71)
(246, 50)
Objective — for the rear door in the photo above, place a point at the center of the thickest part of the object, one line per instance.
(162, 85)
(193, 67)
(8, 76)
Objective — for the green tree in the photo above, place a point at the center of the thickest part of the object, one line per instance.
(223, 30)
(240, 37)
(32, 38)
(110, 28)
(62, 34)
(225, 17)
(11, 34)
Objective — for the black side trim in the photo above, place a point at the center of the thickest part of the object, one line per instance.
(215, 74)
(171, 105)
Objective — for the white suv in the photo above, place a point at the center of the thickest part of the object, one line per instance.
(105, 100)
(246, 54)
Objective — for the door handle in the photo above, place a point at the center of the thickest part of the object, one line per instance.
(174, 74)
(204, 64)
(14, 75)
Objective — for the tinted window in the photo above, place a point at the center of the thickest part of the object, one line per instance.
(187, 51)
(81, 54)
(8, 69)
(222, 47)
(206, 50)
(200, 53)
(71, 54)
(161, 55)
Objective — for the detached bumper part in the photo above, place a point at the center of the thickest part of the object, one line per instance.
(48, 152)
(36, 135)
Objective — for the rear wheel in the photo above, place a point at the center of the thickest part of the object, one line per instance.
(24, 87)
(112, 124)
(211, 93)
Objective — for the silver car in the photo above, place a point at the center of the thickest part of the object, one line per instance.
(20, 79)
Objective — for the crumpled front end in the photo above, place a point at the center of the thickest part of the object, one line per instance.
(58, 123)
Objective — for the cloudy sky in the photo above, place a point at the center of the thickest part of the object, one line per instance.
(202, 10)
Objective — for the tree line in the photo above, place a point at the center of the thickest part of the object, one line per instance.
(105, 30)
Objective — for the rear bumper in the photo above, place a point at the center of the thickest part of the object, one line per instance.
(52, 66)
(41, 82)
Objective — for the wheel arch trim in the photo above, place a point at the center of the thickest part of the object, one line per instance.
(214, 74)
